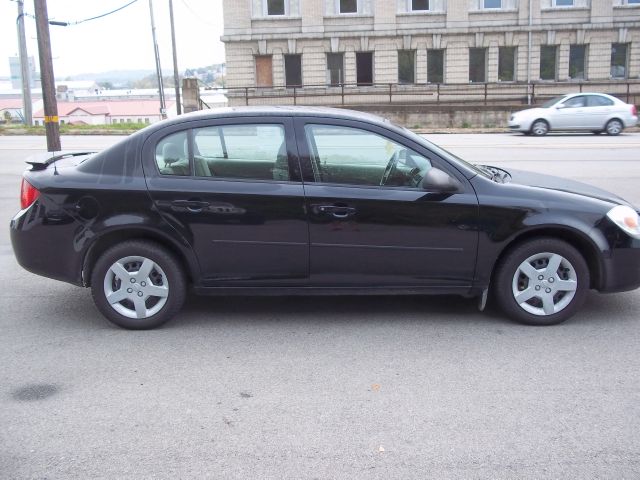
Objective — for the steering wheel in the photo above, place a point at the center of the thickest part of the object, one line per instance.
(390, 169)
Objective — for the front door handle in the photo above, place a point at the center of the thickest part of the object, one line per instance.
(336, 211)
(193, 206)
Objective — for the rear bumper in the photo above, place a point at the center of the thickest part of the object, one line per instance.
(43, 244)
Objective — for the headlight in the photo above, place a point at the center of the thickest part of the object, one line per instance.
(626, 218)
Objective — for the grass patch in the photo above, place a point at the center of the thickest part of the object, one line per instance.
(67, 129)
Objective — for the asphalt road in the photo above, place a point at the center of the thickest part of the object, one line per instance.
(405, 387)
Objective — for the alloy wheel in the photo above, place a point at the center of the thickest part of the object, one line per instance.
(544, 284)
(136, 287)
(540, 128)
(614, 127)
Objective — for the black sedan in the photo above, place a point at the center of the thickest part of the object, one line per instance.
(290, 201)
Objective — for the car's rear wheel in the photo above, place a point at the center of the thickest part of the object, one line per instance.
(614, 127)
(541, 282)
(539, 128)
(138, 285)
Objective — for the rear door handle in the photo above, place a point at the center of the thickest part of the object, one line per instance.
(336, 211)
(193, 206)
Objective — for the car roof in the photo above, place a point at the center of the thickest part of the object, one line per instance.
(272, 111)
(284, 110)
(591, 93)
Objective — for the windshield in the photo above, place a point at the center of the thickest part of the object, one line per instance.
(553, 101)
(444, 153)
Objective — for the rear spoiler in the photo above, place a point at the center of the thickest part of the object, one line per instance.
(42, 160)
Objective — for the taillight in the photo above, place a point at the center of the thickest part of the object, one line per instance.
(28, 194)
(634, 110)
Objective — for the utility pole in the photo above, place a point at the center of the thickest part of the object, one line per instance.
(24, 66)
(176, 77)
(163, 109)
(47, 78)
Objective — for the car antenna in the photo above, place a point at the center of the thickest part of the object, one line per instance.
(55, 169)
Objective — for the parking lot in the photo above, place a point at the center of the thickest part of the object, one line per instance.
(323, 387)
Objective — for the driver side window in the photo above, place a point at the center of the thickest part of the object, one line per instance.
(351, 156)
(575, 102)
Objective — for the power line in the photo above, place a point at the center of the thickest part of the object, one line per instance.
(195, 14)
(78, 22)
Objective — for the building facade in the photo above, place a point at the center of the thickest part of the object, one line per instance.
(276, 43)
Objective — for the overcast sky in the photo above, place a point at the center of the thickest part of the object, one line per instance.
(121, 41)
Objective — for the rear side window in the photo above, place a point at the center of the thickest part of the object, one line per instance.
(255, 152)
(247, 151)
(598, 101)
(172, 154)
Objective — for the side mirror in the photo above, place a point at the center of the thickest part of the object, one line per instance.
(435, 180)
(560, 106)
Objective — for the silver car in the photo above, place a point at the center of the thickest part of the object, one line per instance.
(595, 112)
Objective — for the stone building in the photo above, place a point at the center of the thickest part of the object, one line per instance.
(359, 42)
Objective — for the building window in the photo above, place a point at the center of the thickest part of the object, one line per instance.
(563, 3)
(61, 122)
(146, 120)
(347, 6)
(293, 70)
(36, 123)
(275, 7)
(419, 5)
(364, 68)
(507, 64)
(619, 59)
(406, 66)
(477, 65)
(264, 71)
(435, 66)
(548, 62)
(491, 3)
(577, 56)
(335, 68)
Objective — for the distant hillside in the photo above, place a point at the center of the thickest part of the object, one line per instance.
(212, 74)
(115, 77)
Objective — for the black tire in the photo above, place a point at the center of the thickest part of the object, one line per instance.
(506, 282)
(539, 127)
(614, 127)
(166, 276)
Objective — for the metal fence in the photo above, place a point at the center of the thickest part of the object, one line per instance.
(494, 94)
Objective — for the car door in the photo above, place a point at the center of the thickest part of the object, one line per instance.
(369, 226)
(232, 188)
(569, 114)
(598, 110)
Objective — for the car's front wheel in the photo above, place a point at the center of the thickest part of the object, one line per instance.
(614, 127)
(541, 282)
(539, 128)
(138, 285)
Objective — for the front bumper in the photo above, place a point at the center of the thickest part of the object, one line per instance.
(621, 270)
(518, 125)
